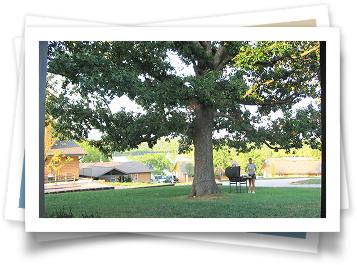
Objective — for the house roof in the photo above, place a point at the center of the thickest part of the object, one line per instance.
(182, 165)
(99, 169)
(69, 148)
(296, 166)
(95, 171)
(133, 167)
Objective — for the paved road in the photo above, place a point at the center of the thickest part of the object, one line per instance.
(280, 183)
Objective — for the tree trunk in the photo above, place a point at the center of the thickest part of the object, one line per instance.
(204, 182)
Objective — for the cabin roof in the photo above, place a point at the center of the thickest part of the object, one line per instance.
(68, 148)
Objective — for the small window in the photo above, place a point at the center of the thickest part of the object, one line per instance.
(112, 179)
(136, 176)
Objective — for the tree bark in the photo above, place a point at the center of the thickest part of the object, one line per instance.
(204, 182)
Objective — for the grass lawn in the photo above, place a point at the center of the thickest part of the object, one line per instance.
(173, 202)
(131, 184)
(307, 181)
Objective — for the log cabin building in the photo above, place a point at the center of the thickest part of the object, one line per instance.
(291, 168)
(67, 149)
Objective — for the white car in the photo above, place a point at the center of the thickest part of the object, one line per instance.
(163, 179)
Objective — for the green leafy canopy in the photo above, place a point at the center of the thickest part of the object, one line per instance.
(229, 78)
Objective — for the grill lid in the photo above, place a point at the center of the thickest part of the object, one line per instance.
(232, 172)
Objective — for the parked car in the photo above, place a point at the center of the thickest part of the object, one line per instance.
(162, 179)
(154, 179)
(172, 179)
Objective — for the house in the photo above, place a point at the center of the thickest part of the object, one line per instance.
(291, 168)
(181, 173)
(67, 149)
(116, 171)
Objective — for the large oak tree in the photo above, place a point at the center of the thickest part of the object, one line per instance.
(228, 78)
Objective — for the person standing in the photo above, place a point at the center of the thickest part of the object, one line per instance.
(251, 172)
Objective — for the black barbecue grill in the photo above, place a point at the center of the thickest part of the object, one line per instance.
(233, 173)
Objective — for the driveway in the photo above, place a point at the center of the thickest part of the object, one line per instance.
(280, 183)
(81, 185)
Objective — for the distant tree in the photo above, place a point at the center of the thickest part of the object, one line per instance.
(190, 169)
(50, 140)
(273, 170)
(222, 158)
(56, 159)
(157, 162)
(94, 154)
(172, 154)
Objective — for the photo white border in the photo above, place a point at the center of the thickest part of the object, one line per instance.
(35, 224)
(279, 16)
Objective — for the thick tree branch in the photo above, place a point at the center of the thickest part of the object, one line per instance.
(220, 59)
(235, 118)
(277, 148)
(224, 62)
(218, 56)
(207, 46)
(198, 43)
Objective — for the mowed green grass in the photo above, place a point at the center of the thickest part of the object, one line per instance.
(173, 202)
